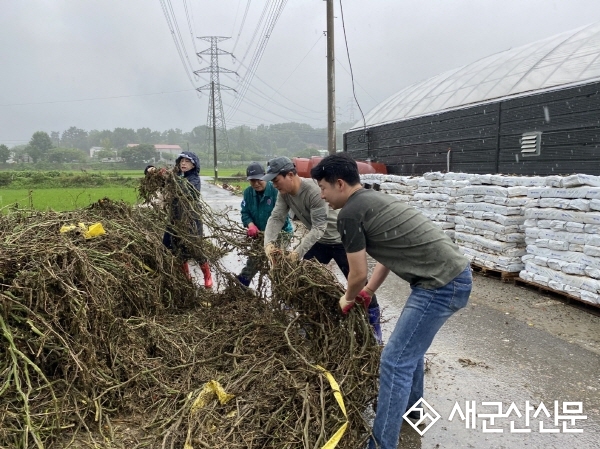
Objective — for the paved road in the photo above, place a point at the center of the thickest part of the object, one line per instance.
(493, 352)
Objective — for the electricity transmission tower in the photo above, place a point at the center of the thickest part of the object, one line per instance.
(351, 109)
(216, 128)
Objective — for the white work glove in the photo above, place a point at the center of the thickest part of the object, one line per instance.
(346, 304)
(270, 250)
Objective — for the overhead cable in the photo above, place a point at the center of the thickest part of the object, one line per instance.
(350, 64)
(241, 26)
(260, 107)
(177, 39)
(276, 10)
(190, 23)
(283, 96)
(357, 83)
(253, 89)
(97, 98)
(296, 68)
(256, 30)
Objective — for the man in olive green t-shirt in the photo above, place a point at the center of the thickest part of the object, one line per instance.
(404, 241)
(322, 242)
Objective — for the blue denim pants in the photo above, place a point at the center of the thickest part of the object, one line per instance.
(401, 370)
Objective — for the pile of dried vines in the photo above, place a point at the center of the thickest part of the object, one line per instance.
(105, 343)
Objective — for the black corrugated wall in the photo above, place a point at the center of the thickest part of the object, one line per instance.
(486, 138)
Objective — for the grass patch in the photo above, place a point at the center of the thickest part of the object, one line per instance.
(65, 198)
(122, 173)
(224, 172)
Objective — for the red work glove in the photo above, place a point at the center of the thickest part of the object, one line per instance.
(252, 231)
(364, 298)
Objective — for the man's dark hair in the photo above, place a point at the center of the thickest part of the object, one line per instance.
(337, 166)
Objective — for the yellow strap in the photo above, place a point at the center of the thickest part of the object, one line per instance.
(94, 230)
(207, 394)
(214, 388)
(210, 390)
(335, 439)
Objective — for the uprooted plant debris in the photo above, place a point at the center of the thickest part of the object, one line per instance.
(106, 343)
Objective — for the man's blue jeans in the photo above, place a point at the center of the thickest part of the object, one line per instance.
(401, 369)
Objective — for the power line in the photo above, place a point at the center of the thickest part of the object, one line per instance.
(252, 103)
(283, 96)
(255, 115)
(258, 25)
(276, 10)
(262, 95)
(190, 27)
(237, 10)
(269, 25)
(350, 64)
(97, 98)
(357, 83)
(241, 26)
(174, 29)
(180, 38)
(296, 68)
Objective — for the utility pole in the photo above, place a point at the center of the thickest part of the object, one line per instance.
(331, 129)
(216, 118)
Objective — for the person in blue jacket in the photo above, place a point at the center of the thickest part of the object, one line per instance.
(187, 165)
(257, 205)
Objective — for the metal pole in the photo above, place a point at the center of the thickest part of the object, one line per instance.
(212, 92)
(331, 131)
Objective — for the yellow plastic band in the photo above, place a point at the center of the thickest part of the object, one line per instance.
(337, 436)
(214, 388)
(94, 230)
(210, 390)
(208, 393)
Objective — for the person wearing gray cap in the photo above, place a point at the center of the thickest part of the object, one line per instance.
(300, 195)
(323, 241)
(258, 203)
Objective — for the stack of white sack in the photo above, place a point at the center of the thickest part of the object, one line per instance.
(435, 197)
(563, 236)
(401, 187)
(489, 220)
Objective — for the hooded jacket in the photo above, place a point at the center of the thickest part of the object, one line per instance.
(193, 175)
(190, 181)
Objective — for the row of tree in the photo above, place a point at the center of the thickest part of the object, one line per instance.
(244, 143)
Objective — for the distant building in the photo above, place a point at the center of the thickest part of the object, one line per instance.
(114, 158)
(94, 150)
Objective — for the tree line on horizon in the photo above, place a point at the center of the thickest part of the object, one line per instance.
(245, 143)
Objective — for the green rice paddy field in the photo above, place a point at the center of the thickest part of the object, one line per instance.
(61, 199)
(69, 198)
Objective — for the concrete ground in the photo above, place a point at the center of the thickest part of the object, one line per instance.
(509, 345)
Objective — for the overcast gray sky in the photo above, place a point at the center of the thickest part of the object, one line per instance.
(102, 64)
